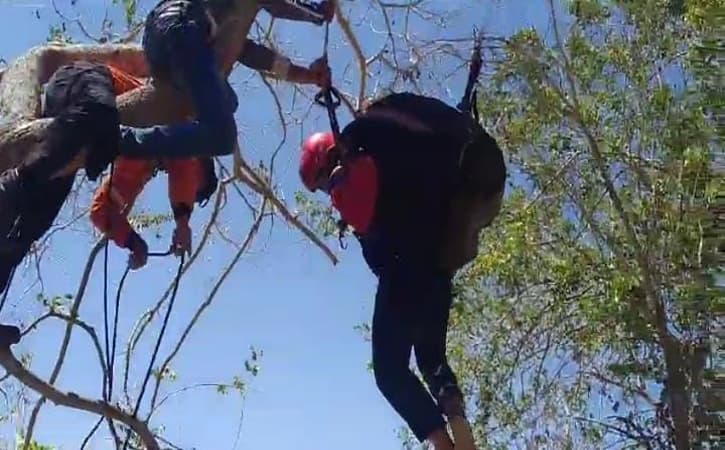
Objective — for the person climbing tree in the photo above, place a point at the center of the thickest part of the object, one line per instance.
(190, 180)
(84, 133)
(415, 179)
(80, 96)
(177, 42)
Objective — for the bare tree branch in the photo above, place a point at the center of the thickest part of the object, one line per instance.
(71, 400)
(66, 338)
(344, 23)
(242, 249)
(140, 326)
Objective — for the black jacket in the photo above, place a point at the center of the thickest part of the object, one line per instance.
(416, 143)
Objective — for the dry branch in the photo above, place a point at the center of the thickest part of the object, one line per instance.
(11, 364)
(246, 174)
(210, 298)
(66, 338)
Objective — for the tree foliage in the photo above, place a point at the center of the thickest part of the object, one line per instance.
(586, 319)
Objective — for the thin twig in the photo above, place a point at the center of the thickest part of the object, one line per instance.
(71, 321)
(66, 338)
(344, 23)
(247, 241)
(143, 322)
(244, 173)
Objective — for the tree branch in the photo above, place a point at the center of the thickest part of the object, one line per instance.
(140, 326)
(194, 320)
(244, 173)
(66, 338)
(71, 400)
(344, 23)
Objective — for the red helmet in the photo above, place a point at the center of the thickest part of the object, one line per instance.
(314, 158)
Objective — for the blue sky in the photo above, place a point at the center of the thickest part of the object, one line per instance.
(314, 391)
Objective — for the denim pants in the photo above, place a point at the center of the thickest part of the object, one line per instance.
(178, 51)
(412, 306)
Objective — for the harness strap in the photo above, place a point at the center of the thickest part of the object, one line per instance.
(329, 98)
(468, 103)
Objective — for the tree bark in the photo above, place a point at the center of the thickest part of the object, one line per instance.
(156, 103)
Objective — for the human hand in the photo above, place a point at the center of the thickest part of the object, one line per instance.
(181, 241)
(139, 253)
(320, 72)
(328, 10)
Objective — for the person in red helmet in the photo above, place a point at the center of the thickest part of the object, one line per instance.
(417, 180)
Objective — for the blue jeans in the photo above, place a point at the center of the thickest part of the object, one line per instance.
(177, 50)
(411, 313)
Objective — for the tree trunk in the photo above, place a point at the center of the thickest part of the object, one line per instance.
(152, 104)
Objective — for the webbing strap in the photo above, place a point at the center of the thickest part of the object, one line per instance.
(329, 98)
(468, 103)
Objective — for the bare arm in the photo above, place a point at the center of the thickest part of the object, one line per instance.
(263, 59)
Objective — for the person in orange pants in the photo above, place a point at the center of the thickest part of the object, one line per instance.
(190, 180)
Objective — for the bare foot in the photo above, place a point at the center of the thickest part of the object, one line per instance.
(462, 433)
(441, 440)
(451, 401)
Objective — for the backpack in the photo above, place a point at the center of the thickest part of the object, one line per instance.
(478, 194)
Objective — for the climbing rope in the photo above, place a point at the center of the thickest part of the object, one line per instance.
(115, 331)
(329, 98)
(468, 103)
(109, 367)
(114, 339)
(158, 344)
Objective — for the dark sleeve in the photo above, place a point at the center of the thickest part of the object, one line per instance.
(257, 57)
(296, 10)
